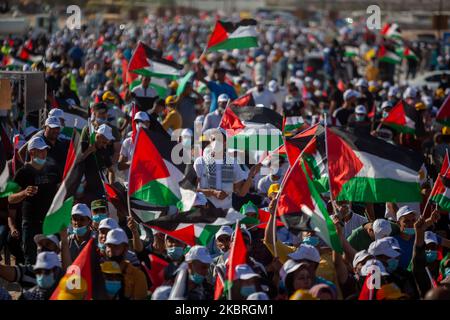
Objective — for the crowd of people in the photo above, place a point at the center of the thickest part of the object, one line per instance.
(86, 72)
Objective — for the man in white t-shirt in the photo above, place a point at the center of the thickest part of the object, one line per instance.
(219, 178)
(263, 96)
(144, 90)
(350, 219)
(142, 120)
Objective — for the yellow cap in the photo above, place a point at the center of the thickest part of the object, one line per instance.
(372, 89)
(68, 293)
(108, 95)
(440, 93)
(390, 291)
(302, 295)
(173, 85)
(275, 187)
(446, 131)
(420, 106)
(111, 267)
(170, 100)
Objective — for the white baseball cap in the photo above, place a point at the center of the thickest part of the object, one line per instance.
(82, 210)
(272, 85)
(258, 296)
(200, 199)
(386, 104)
(386, 84)
(393, 91)
(410, 92)
(199, 253)
(141, 115)
(365, 270)
(259, 81)
(361, 109)
(224, 230)
(52, 122)
(289, 267)
(360, 256)
(162, 293)
(29, 131)
(108, 223)
(403, 211)
(305, 252)
(362, 83)
(245, 272)
(382, 247)
(223, 98)
(37, 143)
(430, 237)
(317, 83)
(39, 237)
(392, 242)
(308, 79)
(116, 236)
(105, 131)
(206, 98)
(349, 93)
(299, 73)
(381, 228)
(47, 260)
(58, 113)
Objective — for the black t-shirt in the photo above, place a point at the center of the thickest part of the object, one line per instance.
(342, 114)
(47, 179)
(57, 153)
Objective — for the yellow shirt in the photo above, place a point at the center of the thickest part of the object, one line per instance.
(135, 282)
(172, 120)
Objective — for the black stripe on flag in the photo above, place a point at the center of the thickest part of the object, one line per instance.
(259, 115)
(156, 56)
(230, 26)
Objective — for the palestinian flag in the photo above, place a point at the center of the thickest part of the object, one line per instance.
(252, 129)
(263, 219)
(298, 197)
(194, 227)
(156, 273)
(237, 256)
(410, 54)
(244, 101)
(154, 178)
(83, 279)
(368, 169)
(351, 51)
(149, 63)
(292, 125)
(229, 36)
(443, 114)
(441, 192)
(403, 118)
(366, 293)
(388, 56)
(58, 216)
(391, 30)
(7, 186)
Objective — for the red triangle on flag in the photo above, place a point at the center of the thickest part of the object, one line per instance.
(218, 35)
(238, 253)
(139, 59)
(230, 121)
(443, 113)
(156, 273)
(186, 234)
(397, 115)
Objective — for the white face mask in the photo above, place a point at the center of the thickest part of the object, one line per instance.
(141, 125)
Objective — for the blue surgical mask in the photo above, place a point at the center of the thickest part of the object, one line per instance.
(101, 246)
(45, 281)
(81, 231)
(247, 290)
(409, 231)
(175, 253)
(385, 114)
(312, 241)
(39, 161)
(112, 286)
(196, 278)
(431, 255)
(392, 265)
(359, 118)
(446, 272)
(99, 217)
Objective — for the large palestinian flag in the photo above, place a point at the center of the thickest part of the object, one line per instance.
(154, 178)
(299, 200)
(83, 279)
(228, 35)
(443, 114)
(149, 63)
(195, 227)
(388, 56)
(441, 192)
(403, 118)
(252, 129)
(58, 216)
(368, 169)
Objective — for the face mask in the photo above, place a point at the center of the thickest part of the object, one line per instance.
(392, 265)
(99, 217)
(446, 272)
(247, 290)
(45, 281)
(409, 231)
(101, 121)
(112, 286)
(359, 118)
(312, 241)
(175, 253)
(81, 231)
(101, 246)
(141, 125)
(196, 278)
(385, 114)
(80, 189)
(39, 161)
(431, 255)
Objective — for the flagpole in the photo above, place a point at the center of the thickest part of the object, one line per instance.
(229, 257)
(328, 164)
(434, 185)
(129, 170)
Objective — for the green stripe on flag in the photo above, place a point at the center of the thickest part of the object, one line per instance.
(183, 82)
(58, 220)
(11, 188)
(156, 193)
(400, 128)
(442, 201)
(207, 234)
(236, 43)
